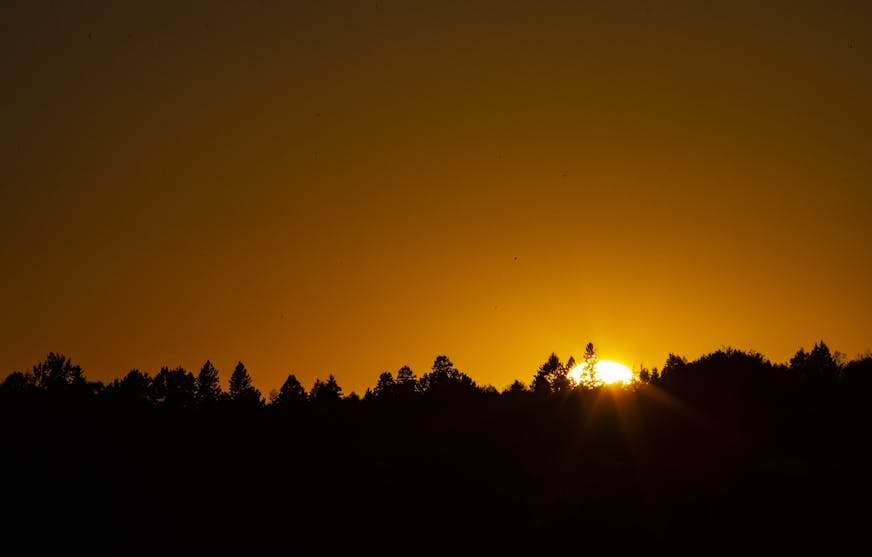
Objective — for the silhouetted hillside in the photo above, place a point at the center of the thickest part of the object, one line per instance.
(725, 454)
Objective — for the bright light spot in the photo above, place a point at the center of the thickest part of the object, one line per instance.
(605, 372)
(613, 372)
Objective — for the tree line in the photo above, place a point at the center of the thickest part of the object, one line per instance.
(718, 455)
(179, 388)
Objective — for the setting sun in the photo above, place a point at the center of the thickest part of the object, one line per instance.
(613, 372)
(606, 371)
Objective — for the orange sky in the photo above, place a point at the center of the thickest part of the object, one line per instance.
(350, 187)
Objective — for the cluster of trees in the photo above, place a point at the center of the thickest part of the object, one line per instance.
(180, 388)
(724, 453)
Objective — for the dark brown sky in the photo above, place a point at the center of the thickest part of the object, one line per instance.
(350, 187)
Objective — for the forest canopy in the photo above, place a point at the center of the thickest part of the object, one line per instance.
(179, 387)
(729, 449)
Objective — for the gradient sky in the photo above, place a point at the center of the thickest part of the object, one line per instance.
(349, 187)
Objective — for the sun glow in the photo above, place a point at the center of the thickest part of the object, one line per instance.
(613, 372)
(605, 372)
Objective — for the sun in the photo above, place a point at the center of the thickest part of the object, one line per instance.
(606, 372)
(613, 372)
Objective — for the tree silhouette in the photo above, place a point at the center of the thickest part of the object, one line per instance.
(18, 382)
(517, 386)
(208, 386)
(588, 377)
(644, 374)
(675, 364)
(443, 368)
(135, 387)
(385, 387)
(547, 377)
(241, 391)
(817, 366)
(570, 364)
(444, 379)
(406, 382)
(291, 394)
(174, 388)
(326, 392)
(798, 361)
(561, 382)
(857, 378)
(58, 373)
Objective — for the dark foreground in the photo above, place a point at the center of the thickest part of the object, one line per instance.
(623, 472)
